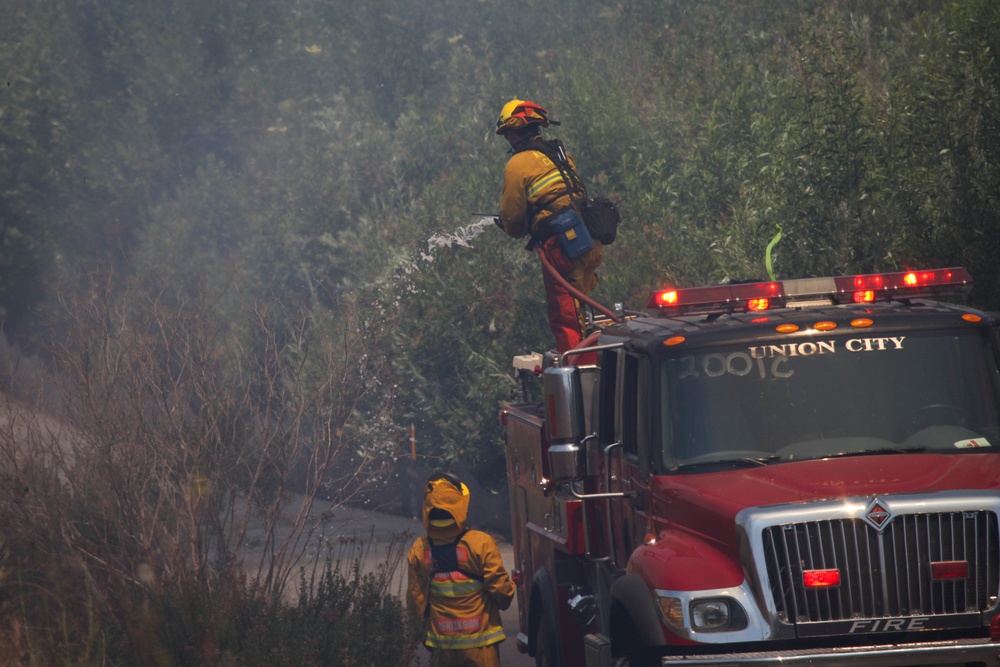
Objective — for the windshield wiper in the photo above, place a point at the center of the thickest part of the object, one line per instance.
(736, 462)
(875, 452)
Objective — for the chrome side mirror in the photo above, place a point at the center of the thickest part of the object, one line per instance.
(563, 400)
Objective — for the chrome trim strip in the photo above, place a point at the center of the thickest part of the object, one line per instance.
(898, 655)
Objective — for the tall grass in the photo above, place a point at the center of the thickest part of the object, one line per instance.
(169, 523)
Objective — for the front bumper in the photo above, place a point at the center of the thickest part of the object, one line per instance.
(890, 655)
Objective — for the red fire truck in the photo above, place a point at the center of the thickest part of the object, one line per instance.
(791, 472)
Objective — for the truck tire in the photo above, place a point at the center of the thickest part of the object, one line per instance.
(636, 653)
(546, 643)
(626, 661)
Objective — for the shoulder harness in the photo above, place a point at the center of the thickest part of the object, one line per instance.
(577, 191)
(444, 558)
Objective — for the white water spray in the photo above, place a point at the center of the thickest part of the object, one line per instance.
(460, 237)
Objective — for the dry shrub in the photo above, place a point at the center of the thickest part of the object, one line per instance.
(203, 457)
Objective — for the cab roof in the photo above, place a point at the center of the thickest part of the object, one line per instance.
(746, 311)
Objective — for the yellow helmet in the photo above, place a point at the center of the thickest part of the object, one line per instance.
(519, 114)
(446, 504)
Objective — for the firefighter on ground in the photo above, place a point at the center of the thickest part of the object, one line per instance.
(456, 580)
(541, 197)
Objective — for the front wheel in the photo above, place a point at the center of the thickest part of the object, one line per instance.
(633, 653)
(546, 643)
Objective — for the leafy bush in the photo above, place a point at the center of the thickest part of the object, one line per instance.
(303, 154)
(342, 618)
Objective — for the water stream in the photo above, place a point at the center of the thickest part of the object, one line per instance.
(461, 237)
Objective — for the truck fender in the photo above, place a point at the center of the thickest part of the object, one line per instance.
(631, 594)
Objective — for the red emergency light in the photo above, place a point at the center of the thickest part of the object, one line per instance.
(805, 292)
(739, 297)
(949, 569)
(821, 578)
(902, 285)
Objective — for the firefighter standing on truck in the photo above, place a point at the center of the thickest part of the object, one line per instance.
(541, 196)
(456, 581)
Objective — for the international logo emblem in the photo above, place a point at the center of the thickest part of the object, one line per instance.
(877, 514)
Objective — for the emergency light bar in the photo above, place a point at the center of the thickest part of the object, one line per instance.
(726, 298)
(807, 292)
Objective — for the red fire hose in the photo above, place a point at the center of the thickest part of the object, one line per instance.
(572, 290)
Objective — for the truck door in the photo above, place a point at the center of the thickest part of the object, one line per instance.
(631, 429)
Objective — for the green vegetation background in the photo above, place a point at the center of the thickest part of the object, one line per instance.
(308, 153)
(246, 238)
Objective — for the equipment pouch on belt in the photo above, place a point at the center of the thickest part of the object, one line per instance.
(574, 237)
(602, 218)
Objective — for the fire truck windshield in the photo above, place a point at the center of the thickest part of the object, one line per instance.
(791, 399)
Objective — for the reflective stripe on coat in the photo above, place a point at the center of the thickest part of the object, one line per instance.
(463, 612)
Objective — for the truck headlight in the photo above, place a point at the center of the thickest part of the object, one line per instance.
(717, 614)
(710, 615)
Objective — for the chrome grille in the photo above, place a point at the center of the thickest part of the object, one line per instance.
(885, 574)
